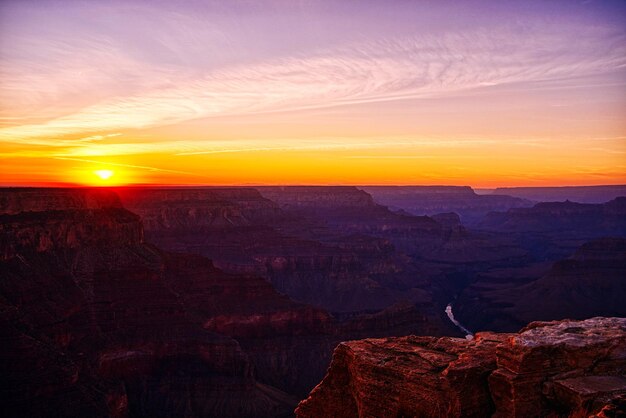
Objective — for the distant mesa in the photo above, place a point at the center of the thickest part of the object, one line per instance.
(580, 194)
(431, 200)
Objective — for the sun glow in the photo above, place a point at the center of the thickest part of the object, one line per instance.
(104, 174)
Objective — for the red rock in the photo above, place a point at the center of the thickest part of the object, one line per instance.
(545, 352)
(560, 368)
(408, 376)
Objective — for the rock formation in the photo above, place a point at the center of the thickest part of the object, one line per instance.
(431, 200)
(580, 194)
(561, 368)
(326, 246)
(563, 217)
(592, 282)
(95, 322)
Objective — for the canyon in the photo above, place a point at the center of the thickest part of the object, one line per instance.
(432, 200)
(207, 301)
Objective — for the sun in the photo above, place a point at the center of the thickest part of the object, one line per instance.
(104, 174)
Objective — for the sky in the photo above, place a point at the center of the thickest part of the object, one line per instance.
(480, 93)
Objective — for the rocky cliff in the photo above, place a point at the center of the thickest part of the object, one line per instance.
(315, 244)
(557, 369)
(95, 322)
(67, 229)
(18, 200)
(180, 208)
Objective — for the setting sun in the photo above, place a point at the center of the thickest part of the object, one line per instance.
(104, 174)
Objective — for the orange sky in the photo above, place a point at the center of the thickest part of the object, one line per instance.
(265, 96)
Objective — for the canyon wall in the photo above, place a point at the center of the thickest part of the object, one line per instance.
(95, 322)
(431, 200)
(591, 282)
(580, 194)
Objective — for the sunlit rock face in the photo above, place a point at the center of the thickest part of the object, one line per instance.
(409, 376)
(560, 368)
(572, 366)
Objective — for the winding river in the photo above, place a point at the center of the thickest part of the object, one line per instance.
(467, 332)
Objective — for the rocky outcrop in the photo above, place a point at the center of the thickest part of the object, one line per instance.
(409, 376)
(567, 367)
(562, 368)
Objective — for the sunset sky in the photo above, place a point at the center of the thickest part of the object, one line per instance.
(481, 93)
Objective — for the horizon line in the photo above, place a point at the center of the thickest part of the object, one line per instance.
(61, 185)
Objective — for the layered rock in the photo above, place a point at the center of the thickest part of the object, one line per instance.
(561, 368)
(596, 219)
(182, 208)
(346, 207)
(97, 323)
(589, 283)
(18, 200)
(580, 194)
(67, 229)
(315, 244)
(176, 334)
(408, 376)
(431, 200)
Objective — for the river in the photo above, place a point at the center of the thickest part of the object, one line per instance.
(467, 332)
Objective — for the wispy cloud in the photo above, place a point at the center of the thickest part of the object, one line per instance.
(213, 147)
(98, 137)
(384, 70)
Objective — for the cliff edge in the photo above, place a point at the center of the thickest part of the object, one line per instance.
(559, 369)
